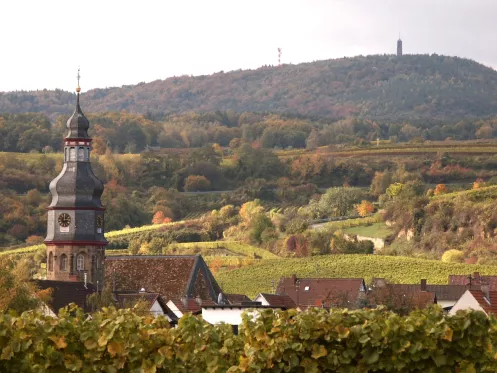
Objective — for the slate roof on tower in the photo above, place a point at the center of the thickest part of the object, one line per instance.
(173, 277)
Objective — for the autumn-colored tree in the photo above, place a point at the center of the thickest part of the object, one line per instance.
(364, 208)
(479, 183)
(249, 210)
(381, 181)
(196, 183)
(99, 145)
(34, 240)
(440, 189)
(160, 218)
(216, 264)
(17, 290)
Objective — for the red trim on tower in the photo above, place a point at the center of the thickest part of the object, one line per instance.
(77, 208)
(77, 139)
(76, 243)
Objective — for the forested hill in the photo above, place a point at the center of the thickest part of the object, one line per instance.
(380, 87)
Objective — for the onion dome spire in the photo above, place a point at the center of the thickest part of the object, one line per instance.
(78, 124)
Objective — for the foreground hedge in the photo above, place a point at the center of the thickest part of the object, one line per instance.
(314, 341)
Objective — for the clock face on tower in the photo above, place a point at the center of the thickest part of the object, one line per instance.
(64, 220)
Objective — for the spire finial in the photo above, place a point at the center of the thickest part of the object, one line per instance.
(78, 88)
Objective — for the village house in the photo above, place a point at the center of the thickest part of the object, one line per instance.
(479, 299)
(474, 280)
(323, 292)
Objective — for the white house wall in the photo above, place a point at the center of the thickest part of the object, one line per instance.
(174, 309)
(467, 301)
(156, 309)
(232, 316)
(260, 298)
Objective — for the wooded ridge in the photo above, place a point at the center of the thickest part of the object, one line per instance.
(376, 87)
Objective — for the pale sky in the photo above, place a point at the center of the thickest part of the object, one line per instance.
(126, 42)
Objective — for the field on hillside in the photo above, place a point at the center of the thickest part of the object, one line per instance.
(259, 277)
(400, 149)
(226, 251)
(376, 230)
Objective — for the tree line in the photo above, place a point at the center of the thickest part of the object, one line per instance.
(127, 133)
(380, 87)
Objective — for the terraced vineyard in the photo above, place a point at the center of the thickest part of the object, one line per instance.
(259, 277)
(227, 251)
(401, 149)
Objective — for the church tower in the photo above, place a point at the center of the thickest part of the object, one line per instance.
(75, 231)
(399, 47)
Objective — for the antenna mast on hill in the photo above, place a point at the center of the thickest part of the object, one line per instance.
(279, 56)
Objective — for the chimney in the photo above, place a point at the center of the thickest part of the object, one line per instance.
(476, 276)
(294, 279)
(423, 284)
(198, 300)
(379, 282)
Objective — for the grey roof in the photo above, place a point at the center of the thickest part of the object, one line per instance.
(78, 124)
(76, 186)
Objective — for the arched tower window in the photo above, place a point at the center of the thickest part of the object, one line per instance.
(63, 262)
(81, 154)
(80, 262)
(72, 154)
(50, 261)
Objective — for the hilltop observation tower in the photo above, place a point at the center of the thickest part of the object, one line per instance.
(399, 47)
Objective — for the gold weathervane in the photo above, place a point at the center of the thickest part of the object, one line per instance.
(78, 88)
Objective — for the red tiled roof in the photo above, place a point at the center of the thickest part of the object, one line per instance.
(129, 300)
(447, 292)
(171, 276)
(476, 280)
(186, 305)
(237, 298)
(402, 294)
(489, 304)
(279, 300)
(64, 293)
(309, 292)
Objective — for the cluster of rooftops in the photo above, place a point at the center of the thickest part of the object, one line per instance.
(176, 285)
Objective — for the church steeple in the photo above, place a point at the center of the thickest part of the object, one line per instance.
(78, 124)
(75, 231)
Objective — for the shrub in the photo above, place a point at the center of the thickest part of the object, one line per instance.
(453, 256)
(440, 189)
(364, 208)
(195, 183)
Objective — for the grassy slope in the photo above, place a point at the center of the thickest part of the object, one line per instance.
(377, 230)
(258, 277)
